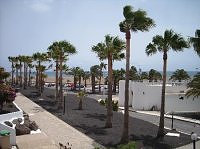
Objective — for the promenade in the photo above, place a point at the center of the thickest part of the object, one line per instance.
(54, 130)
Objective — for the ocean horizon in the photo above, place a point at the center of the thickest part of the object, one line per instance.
(105, 73)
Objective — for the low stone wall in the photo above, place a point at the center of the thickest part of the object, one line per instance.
(10, 117)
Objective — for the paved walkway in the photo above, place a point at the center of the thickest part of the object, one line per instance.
(54, 130)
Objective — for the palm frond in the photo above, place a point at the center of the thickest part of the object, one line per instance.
(150, 49)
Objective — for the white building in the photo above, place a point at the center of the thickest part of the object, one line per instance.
(147, 96)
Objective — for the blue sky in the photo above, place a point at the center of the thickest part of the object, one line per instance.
(28, 26)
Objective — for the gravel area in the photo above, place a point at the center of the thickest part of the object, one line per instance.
(91, 121)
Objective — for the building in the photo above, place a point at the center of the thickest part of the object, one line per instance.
(147, 96)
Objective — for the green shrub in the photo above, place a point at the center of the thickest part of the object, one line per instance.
(130, 145)
(114, 104)
(102, 102)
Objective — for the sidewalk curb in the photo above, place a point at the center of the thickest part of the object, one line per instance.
(166, 116)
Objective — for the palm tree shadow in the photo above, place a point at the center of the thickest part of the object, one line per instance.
(101, 117)
(151, 142)
(91, 129)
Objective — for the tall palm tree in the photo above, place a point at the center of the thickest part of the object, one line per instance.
(111, 50)
(180, 74)
(102, 66)
(195, 41)
(60, 51)
(170, 40)
(53, 53)
(39, 58)
(134, 21)
(194, 86)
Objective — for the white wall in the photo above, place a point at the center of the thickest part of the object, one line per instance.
(122, 93)
(146, 95)
(12, 133)
(10, 117)
(173, 103)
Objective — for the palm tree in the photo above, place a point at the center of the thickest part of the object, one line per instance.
(39, 58)
(194, 86)
(134, 21)
(94, 73)
(133, 73)
(86, 75)
(12, 59)
(154, 75)
(53, 53)
(111, 49)
(180, 74)
(65, 49)
(74, 72)
(81, 95)
(195, 41)
(170, 40)
(80, 74)
(116, 78)
(20, 69)
(30, 66)
(144, 75)
(102, 66)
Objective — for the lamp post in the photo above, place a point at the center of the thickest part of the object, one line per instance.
(194, 138)
(64, 107)
(172, 126)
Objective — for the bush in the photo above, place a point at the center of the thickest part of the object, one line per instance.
(130, 145)
(114, 104)
(102, 102)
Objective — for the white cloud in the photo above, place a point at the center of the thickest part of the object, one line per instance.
(40, 5)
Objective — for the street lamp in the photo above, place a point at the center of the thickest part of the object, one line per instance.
(194, 138)
(64, 106)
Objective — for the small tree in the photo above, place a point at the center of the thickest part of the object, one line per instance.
(81, 95)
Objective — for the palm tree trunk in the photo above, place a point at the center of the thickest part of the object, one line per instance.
(17, 76)
(79, 82)
(29, 77)
(93, 83)
(37, 77)
(20, 71)
(100, 83)
(109, 106)
(125, 134)
(61, 88)
(24, 76)
(161, 132)
(12, 73)
(56, 96)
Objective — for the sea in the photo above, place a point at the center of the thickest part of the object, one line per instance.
(105, 73)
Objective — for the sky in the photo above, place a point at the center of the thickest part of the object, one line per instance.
(30, 26)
